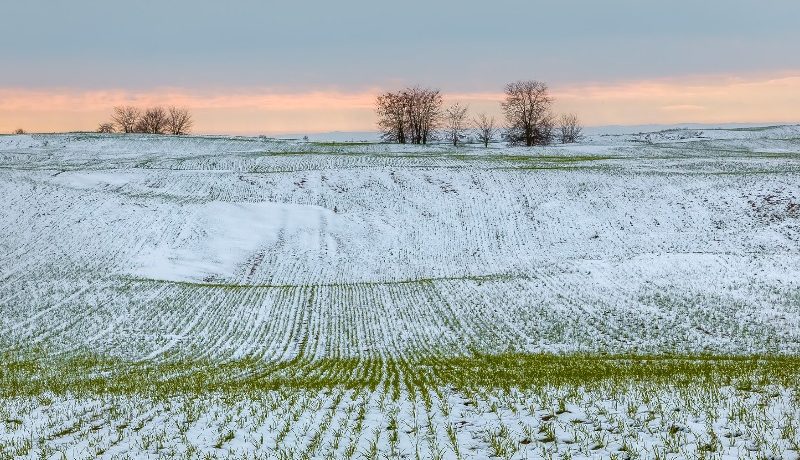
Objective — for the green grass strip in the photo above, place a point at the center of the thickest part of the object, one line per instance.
(26, 376)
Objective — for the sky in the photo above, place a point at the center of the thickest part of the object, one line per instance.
(267, 67)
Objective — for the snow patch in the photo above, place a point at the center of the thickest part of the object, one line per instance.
(95, 179)
(220, 237)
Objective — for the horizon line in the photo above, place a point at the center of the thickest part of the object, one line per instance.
(299, 134)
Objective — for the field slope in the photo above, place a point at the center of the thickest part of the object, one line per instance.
(256, 298)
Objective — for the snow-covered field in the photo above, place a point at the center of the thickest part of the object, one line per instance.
(253, 298)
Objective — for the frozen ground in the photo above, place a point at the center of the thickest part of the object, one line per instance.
(282, 257)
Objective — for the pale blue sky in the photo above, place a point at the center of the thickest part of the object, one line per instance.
(350, 45)
(268, 67)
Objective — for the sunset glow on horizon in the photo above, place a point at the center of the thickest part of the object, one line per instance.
(709, 99)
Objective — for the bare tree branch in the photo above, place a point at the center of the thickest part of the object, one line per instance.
(105, 128)
(570, 127)
(485, 129)
(455, 123)
(527, 110)
(179, 121)
(125, 118)
(411, 115)
(391, 109)
(152, 121)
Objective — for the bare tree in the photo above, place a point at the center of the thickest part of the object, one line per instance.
(485, 129)
(391, 108)
(425, 110)
(126, 118)
(19, 131)
(152, 121)
(179, 121)
(527, 110)
(105, 128)
(455, 123)
(571, 129)
(410, 115)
